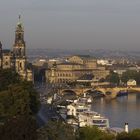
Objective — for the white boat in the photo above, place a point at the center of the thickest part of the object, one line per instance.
(75, 109)
(83, 116)
(91, 118)
(79, 114)
(85, 100)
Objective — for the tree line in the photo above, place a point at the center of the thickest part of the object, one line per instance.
(62, 131)
(18, 105)
(116, 79)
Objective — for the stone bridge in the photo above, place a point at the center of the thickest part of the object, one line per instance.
(77, 91)
(110, 92)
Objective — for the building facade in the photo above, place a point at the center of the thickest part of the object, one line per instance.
(5, 59)
(16, 59)
(73, 69)
(87, 61)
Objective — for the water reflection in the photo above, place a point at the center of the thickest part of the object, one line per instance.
(120, 110)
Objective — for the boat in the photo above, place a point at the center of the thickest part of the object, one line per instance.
(85, 100)
(122, 93)
(75, 109)
(91, 118)
(82, 115)
(78, 113)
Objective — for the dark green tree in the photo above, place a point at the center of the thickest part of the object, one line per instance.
(13, 102)
(18, 105)
(131, 74)
(7, 77)
(21, 127)
(56, 131)
(33, 96)
(113, 78)
(123, 136)
(133, 135)
(93, 133)
(19, 99)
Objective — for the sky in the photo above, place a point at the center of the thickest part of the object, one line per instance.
(73, 24)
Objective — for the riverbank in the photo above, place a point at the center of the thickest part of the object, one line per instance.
(120, 110)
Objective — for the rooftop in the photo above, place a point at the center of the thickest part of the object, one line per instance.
(6, 51)
(68, 63)
(85, 56)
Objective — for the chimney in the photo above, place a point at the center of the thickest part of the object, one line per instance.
(126, 127)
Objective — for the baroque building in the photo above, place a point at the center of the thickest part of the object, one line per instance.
(75, 68)
(16, 59)
(87, 61)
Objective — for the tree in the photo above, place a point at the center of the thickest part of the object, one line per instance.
(7, 77)
(13, 102)
(18, 99)
(93, 133)
(56, 131)
(33, 96)
(123, 136)
(113, 78)
(131, 74)
(133, 135)
(21, 127)
(18, 105)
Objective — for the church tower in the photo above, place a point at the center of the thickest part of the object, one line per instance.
(1, 55)
(19, 51)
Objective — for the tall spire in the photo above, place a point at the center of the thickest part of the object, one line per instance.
(19, 32)
(19, 21)
(19, 18)
(0, 45)
(1, 60)
(0, 50)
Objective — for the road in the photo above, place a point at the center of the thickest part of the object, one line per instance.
(46, 112)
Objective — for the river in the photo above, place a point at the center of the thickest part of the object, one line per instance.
(120, 110)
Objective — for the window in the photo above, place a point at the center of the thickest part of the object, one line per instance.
(20, 65)
(19, 36)
(6, 63)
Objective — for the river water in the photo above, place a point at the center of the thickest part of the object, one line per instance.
(120, 110)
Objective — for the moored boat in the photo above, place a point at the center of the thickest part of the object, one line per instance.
(91, 118)
(122, 93)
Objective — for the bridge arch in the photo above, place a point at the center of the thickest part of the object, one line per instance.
(101, 90)
(68, 92)
(96, 93)
(87, 90)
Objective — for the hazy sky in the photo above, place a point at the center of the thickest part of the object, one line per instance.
(83, 24)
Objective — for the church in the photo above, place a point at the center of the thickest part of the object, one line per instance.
(16, 58)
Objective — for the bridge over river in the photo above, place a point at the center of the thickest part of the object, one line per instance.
(110, 92)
